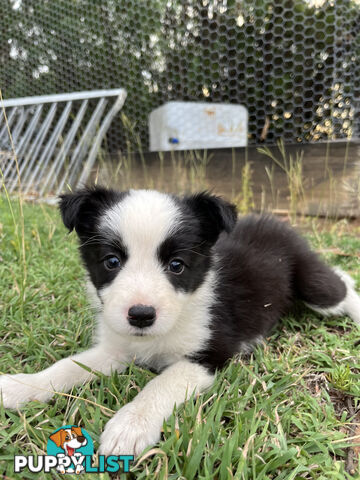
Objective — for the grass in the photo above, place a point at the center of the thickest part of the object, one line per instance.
(289, 411)
(282, 413)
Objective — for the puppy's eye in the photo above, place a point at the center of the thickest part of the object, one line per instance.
(176, 266)
(112, 263)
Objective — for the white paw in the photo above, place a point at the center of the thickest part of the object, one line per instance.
(16, 390)
(129, 432)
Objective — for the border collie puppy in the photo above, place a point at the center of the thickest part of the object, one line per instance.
(181, 286)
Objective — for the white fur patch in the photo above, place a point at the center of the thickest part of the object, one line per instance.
(142, 220)
(349, 306)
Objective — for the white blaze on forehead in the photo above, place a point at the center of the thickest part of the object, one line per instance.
(143, 219)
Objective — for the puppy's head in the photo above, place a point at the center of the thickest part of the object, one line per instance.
(72, 437)
(146, 252)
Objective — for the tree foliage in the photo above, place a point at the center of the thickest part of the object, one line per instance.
(293, 63)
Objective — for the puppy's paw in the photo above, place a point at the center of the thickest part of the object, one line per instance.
(129, 432)
(16, 390)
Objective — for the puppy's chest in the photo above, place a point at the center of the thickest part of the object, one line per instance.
(156, 362)
(161, 352)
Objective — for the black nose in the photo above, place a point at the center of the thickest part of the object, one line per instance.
(81, 439)
(141, 316)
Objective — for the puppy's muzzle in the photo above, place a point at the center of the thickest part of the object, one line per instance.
(141, 316)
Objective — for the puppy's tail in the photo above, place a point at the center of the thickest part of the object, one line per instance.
(349, 305)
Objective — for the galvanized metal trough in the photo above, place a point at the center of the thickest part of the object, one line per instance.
(55, 139)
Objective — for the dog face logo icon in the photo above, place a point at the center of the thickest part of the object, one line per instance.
(70, 444)
(69, 439)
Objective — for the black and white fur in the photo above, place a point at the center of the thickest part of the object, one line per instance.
(181, 285)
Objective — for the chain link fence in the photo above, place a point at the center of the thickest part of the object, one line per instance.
(295, 64)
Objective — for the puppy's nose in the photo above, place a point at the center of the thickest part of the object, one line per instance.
(141, 316)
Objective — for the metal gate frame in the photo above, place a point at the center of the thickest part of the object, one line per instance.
(36, 139)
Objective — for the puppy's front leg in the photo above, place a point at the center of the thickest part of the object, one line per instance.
(138, 424)
(16, 390)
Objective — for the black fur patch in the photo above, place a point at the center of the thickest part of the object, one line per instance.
(190, 247)
(214, 214)
(81, 211)
(93, 253)
(204, 217)
(263, 267)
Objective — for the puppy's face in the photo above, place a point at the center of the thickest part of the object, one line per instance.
(69, 437)
(146, 252)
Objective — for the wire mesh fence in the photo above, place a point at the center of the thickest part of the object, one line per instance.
(295, 64)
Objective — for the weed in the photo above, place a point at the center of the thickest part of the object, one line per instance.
(293, 167)
(341, 377)
(245, 198)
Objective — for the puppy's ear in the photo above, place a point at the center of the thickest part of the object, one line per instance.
(81, 209)
(77, 430)
(57, 437)
(215, 214)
